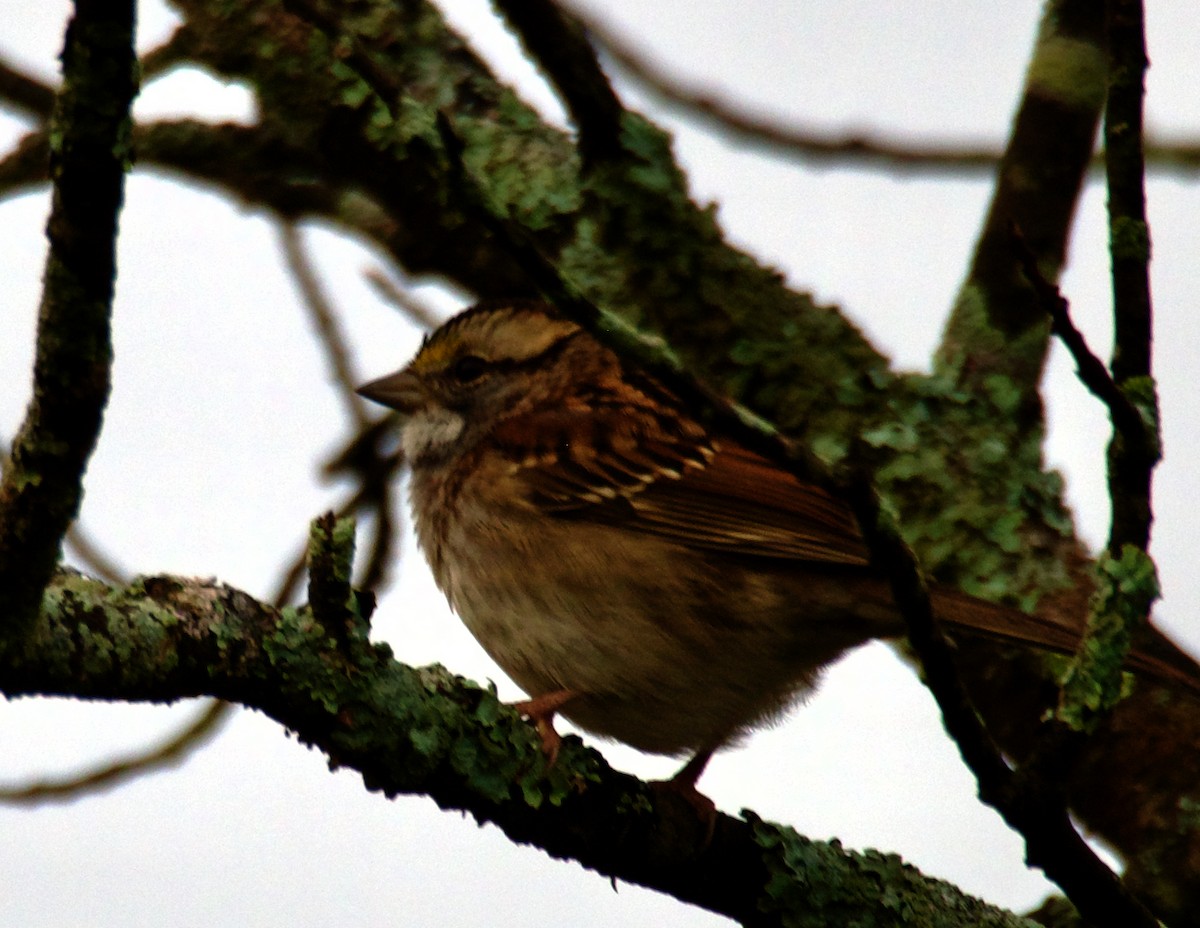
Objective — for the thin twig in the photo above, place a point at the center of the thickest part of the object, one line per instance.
(171, 752)
(381, 557)
(419, 314)
(1035, 808)
(375, 467)
(821, 145)
(1058, 744)
(733, 117)
(95, 559)
(23, 168)
(1089, 368)
(1131, 465)
(325, 322)
(179, 49)
(24, 94)
(892, 557)
(368, 464)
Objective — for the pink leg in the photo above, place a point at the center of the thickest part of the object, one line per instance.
(541, 710)
(684, 783)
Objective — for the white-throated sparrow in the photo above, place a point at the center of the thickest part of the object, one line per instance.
(650, 581)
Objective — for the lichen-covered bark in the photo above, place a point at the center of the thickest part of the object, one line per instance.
(998, 328)
(425, 731)
(42, 483)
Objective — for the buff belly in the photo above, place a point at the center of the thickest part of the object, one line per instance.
(658, 661)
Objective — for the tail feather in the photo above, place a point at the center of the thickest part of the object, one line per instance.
(959, 612)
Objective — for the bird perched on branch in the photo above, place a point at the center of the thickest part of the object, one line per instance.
(647, 579)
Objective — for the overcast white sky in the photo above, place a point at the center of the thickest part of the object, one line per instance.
(221, 404)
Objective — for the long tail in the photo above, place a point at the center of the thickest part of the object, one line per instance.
(1159, 661)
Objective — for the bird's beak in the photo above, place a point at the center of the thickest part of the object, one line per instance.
(401, 391)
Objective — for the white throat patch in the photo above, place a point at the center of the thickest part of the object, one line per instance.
(428, 431)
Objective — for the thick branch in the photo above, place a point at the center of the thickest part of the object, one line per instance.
(557, 42)
(425, 731)
(997, 327)
(42, 488)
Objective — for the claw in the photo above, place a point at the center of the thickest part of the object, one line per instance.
(683, 784)
(541, 710)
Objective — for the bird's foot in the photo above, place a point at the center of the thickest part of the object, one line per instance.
(706, 809)
(683, 784)
(541, 711)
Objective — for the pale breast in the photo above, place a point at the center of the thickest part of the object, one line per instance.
(667, 654)
(539, 594)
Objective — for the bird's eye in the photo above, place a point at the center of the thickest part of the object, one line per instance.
(468, 368)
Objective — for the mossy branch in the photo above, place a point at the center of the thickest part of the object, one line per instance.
(89, 153)
(425, 731)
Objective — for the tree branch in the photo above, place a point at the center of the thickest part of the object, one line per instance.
(325, 322)
(1131, 456)
(783, 139)
(1034, 807)
(171, 752)
(24, 94)
(557, 43)
(997, 327)
(425, 731)
(41, 487)
(1088, 367)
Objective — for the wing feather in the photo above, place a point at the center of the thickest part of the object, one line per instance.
(667, 477)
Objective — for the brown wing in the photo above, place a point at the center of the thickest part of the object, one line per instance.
(665, 476)
(743, 502)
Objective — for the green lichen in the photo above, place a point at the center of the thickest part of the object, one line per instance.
(353, 91)
(521, 173)
(970, 488)
(1071, 71)
(450, 722)
(332, 543)
(292, 648)
(1126, 587)
(1143, 393)
(813, 884)
(972, 334)
(1129, 239)
(110, 634)
(898, 437)
(970, 316)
